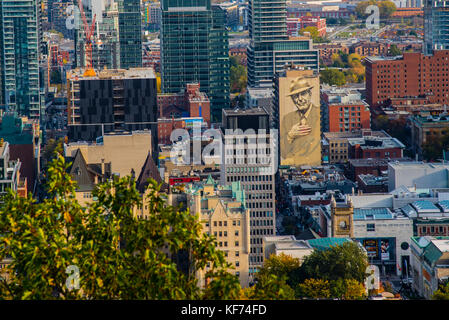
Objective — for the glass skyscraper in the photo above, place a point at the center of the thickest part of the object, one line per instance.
(194, 48)
(436, 25)
(19, 55)
(270, 47)
(118, 37)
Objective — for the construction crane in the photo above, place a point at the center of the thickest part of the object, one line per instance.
(88, 32)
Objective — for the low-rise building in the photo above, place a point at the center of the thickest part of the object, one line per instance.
(428, 129)
(287, 245)
(429, 264)
(126, 152)
(336, 144)
(343, 110)
(375, 148)
(385, 234)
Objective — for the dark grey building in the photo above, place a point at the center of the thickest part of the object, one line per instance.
(112, 101)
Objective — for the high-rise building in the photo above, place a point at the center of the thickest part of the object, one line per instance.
(117, 40)
(113, 101)
(270, 47)
(194, 48)
(415, 76)
(436, 24)
(241, 162)
(296, 102)
(130, 33)
(19, 57)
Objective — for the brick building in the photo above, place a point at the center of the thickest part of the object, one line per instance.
(367, 48)
(294, 25)
(190, 103)
(343, 110)
(375, 148)
(328, 49)
(410, 75)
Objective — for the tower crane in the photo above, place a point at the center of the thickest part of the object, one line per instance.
(88, 32)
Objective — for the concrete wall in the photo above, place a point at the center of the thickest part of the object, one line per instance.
(125, 152)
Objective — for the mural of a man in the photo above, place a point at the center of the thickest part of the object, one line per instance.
(302, 125)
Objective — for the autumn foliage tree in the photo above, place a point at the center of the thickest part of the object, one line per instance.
(118, 255)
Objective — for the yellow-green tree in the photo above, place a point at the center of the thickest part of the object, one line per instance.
(314, 289)
(118, 255)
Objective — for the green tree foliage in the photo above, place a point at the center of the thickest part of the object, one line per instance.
(397, 128)
(280, 265)
(433, 147)
(51, 148)
(442, 293)
(312, 31)
(239, 76)
(332, 77)
(347, 289)
(346, 261)
(314, 289)
(386, 8)
(118, 255)
(394, 50)
(271, 287)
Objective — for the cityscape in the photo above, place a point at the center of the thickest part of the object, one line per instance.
(224, 150)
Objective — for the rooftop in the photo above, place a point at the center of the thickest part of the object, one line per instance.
(376, 142)
(132, 73)
(326, 243)
(373, 214)
(242, 112)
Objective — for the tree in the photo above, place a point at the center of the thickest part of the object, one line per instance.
(347, 289)
(332, 77)
(238, 75)
(118, 255)
(312, 31)
(271, 288)
(386, 8)
(394, 50)
(346, 261)
(442, 293)
(279, 265)
(314, 289)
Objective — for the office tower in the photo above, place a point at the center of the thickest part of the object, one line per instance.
(130, 33)
(436, 25)
(241, 162)
(19, 55)
(270, 47)
(297, 102)
(194, 48)
(117, 40)
(113, 101)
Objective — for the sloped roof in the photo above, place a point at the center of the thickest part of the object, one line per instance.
(149, 171)
(81, 174)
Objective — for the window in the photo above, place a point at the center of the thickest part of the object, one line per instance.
(236, 233)
(237, 254)
(237, 264)
(236, 243)
(370, 227)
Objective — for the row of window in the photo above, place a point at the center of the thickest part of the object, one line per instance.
(260, 232)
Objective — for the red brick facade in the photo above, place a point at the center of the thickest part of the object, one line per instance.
(412, 75)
